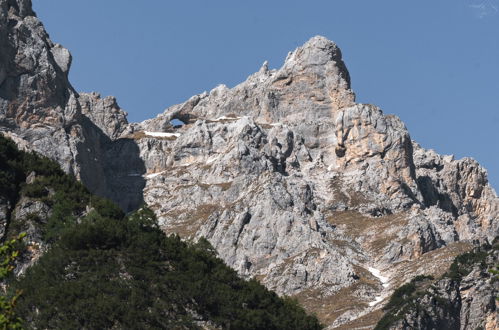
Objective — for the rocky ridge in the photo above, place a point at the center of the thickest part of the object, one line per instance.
(297, 185)
(290, 180)
(40, 110)
(463, 298)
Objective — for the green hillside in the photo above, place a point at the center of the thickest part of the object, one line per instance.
(103, 269)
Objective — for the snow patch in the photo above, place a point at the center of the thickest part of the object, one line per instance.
(376, 301)
(226, 118)
(384, 281)
(377, 273)
(161, 134)
(211, 160)
(153, 175)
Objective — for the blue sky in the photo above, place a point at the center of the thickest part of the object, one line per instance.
(433, 63)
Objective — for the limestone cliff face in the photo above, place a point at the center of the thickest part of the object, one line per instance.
(311, 193)
(292, 182)
(41, 111)
(467, 301)
(35, 96)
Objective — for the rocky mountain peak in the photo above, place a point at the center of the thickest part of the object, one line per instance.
(313, 194)
(19, 8)
(317, 55)
(312, 83)
(291, 180)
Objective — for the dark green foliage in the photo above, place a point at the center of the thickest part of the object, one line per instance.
(67, 197)
(421, 278)
(108, 270)
(106, 208)
(464, 263)
(405, 298)
(400, 296)
(8, 254)
(16, 165)
(126, 272)
(11, 172)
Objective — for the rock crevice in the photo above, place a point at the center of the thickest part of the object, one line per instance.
(290, 180)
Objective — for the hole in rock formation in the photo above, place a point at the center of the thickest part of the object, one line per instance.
(177, 123)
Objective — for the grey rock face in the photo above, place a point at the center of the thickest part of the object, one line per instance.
(4, 214)
(33, 90)
(441, 309)
(104, 113)
(469, 303)
(308, 193)
(27, 215)
(314, 75)
(478, 293)
(62, 58)
(291, 181)
(40, 110)
(459, 187)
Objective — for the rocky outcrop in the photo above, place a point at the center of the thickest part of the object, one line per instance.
(28, 216)
(478, 292)
(441, 309)
(36, 100)
(291, 181)
(104, 113)
(459, 187)
(452, 302)
(307, 193)
(40, 110)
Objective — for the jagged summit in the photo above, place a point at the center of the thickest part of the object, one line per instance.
(291, 180)
(319, 52)
(20, 8)
(312, 85)
(315, 195)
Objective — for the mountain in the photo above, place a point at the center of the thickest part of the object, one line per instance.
(290, 180)
(465, 297)
(85, 265)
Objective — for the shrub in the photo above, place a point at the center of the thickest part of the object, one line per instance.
(107, 270)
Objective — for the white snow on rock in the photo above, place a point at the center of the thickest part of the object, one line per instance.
(211, 159)
(161, 134)
(153, 175)
(376, 301)
(377, 273)
(384, 281)
(226, 118)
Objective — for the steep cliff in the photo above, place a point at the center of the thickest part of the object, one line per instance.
(465, 297)
(291, 180)
(314, 195)
(41, 111)
(83, 264)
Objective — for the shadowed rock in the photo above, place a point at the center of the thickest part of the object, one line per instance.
(291, 181)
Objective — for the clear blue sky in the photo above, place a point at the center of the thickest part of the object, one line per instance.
(434, 63)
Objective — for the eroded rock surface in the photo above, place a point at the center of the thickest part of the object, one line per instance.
(295, 184)
(40, 110)
(453, 302)
(291, 181)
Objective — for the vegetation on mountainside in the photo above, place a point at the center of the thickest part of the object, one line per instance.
(402, 300)
(405, 298)
(108, 270)
(8, 254)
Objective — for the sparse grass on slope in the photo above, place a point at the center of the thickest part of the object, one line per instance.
(106, 270)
